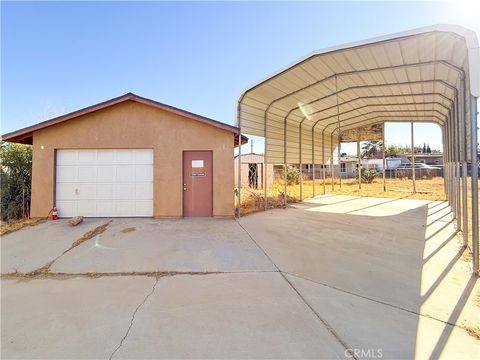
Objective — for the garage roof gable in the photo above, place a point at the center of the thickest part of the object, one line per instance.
(25, 135)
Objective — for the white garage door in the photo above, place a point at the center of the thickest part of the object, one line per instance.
(104, 183)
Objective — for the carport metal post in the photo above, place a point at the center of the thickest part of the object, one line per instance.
(265, 167)
(453, 195)
(313, 162)
(413, 156)
(452, 165)
(300, 158)
(285, 163)
(331, 161)
(473, 149)
(384, 172)
(339, 155)
(331, 141)
(464, 148)
(445, 157)
(458, 149)
(456, 168)
(239, 179)
(359, 166)
(323, 161)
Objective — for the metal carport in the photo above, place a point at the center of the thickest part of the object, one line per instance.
(430, 74)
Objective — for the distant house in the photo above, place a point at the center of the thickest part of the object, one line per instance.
(348, 166)
(429, 159)
(252, 171)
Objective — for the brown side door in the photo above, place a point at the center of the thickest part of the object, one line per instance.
(197, 183)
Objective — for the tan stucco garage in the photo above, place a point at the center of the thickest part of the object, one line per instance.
(88, 160)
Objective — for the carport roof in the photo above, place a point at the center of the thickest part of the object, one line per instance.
(410, 76)
(25, 135)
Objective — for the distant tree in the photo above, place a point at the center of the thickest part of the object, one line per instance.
(371, 149)
(417, 149)
(429, 151)
(395, 150)
(424, 149)
(16, 179)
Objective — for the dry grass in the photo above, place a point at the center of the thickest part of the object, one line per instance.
(253, 200)
(475, 332)
(11, 226)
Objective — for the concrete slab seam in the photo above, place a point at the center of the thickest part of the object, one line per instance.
(374, 300)
(96, 275)
(317, 315)
(133, 318)
(45, 269)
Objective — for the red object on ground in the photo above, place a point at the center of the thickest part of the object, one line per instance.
(54, 213)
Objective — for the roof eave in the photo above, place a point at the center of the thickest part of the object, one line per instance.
(27, 132)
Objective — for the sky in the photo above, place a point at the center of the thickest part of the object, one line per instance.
(57, 57)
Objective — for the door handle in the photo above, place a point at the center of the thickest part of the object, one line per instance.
(76, 192)
(184, 187)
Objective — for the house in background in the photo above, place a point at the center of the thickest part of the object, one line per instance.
(252, 171)
(131, 156)
(348, 166)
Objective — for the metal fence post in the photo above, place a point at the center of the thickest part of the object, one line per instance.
(313, 162)
(300, 159)
(473, 150)
(384, 172)
(413, 156)
(463, 149)
(359, 166)
(323, 161)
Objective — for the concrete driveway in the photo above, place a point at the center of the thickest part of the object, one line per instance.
(328, 278)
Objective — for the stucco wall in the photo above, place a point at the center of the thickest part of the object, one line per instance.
(134, 125)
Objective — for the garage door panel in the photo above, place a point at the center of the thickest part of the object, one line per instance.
(125, 173)
(87, 207)
(105, 182)
(105, 191)
(105, 156)
(143, 173)
(143, 191)
(67, 157)
(125, 207)
(65, 191)
(66, 208)
(87, 174)
(143, 156)
(105, 208)
(105, 174)
(124, 191)
(87, 157)
(124, 157)
(86, 191)
(66, 173)
(143, 207)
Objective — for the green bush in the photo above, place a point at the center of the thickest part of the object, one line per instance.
(368, 175)
(293, 175)
(15, 180)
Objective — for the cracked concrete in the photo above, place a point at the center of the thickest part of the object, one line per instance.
(30, 248)
(183, 245)
(355, 273)
(133, 318)
(76, 318)
(224, 316)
